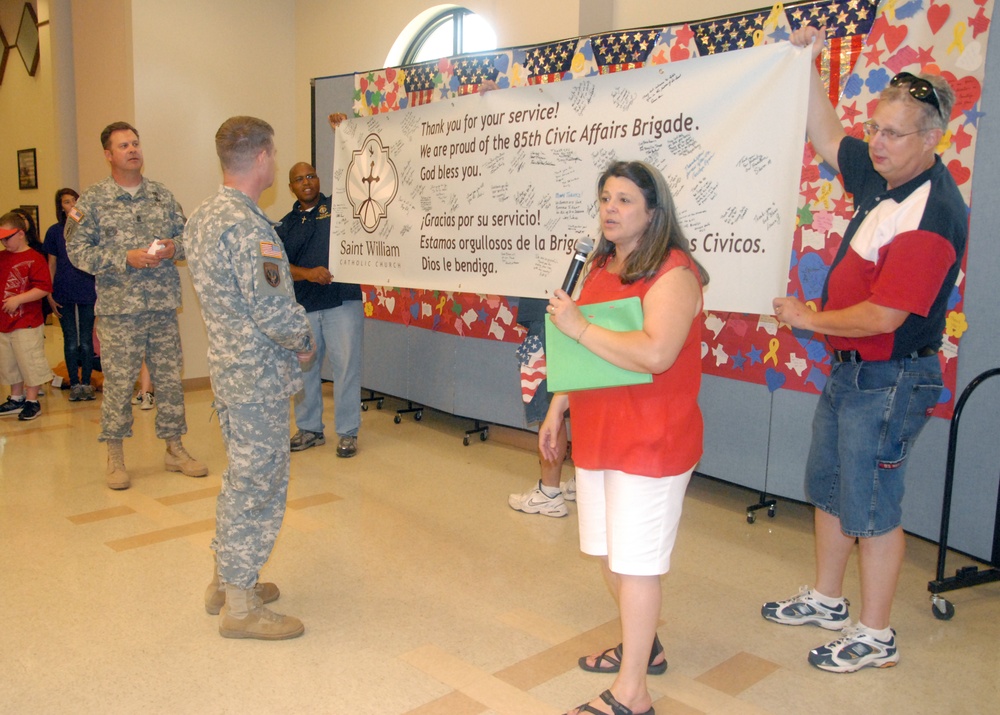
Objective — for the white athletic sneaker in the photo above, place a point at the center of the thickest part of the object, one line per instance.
(569, 489)
(855, 649)
(804, 609)
(537, 502)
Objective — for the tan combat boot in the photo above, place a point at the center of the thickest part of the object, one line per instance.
(215, 593)
(117, 476)
(178, 460)
(244, 616)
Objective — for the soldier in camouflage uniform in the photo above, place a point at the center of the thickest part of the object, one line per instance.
(258, 337)
(126, 231)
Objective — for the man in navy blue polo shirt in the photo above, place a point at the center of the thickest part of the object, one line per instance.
(336, 314)
(883, 313)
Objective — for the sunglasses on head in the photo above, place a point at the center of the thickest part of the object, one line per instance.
(919, 89)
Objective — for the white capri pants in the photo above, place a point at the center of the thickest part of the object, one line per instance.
(630, 519)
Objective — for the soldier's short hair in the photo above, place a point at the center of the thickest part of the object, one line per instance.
(116, 127)
(240, 140)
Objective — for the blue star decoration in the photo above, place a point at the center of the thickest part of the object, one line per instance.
(754, 353)
(738, 360)
(972, 115)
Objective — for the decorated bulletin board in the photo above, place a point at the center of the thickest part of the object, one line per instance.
(869, 42)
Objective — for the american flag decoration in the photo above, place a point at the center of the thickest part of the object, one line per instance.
(420, 81)
(847, 24)
(470, 72)
(549, 63)
(531, 356)
(625, 50)
(737, 32)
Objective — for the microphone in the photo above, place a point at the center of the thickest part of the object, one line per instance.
(581, 250)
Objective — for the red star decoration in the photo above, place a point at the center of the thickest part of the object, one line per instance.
(925, 57)
(979, 24)
(842, 206)
(871, 106)
(961, 139)
(873, 56)
(685, 34)
(810, 193)
(850, 113)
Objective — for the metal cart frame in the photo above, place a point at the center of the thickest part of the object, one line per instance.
(969, 575)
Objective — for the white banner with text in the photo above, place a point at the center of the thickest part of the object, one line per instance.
(489, 193)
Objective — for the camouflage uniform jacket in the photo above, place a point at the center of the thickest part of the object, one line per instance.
(255, 326)
(105, 224)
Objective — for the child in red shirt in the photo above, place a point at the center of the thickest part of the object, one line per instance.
(24, 283)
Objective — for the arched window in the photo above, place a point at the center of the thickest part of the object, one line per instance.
(442, 31)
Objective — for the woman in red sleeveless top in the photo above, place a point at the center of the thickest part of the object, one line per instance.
(634, 447)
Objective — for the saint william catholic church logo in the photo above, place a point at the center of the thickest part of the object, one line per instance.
(372, 182)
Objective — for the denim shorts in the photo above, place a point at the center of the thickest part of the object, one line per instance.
(866, 421)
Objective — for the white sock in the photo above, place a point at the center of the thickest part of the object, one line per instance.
(827, 600)
(550, 492)
(883, 635)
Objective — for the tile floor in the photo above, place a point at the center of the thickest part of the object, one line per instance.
(421, 591)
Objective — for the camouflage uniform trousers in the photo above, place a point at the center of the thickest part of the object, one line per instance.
(251, 505)
(125, 340)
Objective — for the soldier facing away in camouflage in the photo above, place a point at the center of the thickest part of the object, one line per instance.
(126, 231)
(258, 338)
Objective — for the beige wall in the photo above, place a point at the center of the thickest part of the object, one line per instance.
(28, 120)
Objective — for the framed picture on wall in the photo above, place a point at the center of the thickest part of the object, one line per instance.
(33, 210)
(27, 171)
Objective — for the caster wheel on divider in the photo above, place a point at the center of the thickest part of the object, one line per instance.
(751, 517)
(397, 419)
(483, 435)
(942, 609)
(418, 415)
(364, 406)
(378, 405)
(466, 441)
(770, 512)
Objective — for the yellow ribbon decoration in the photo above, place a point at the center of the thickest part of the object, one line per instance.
(772, 354)
(811, 304)
(960, 28)
(440, 305)
(890, 10)
(758, 38)
(824, 194)
(772, 20)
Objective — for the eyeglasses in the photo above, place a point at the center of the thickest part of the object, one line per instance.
(305, 177)
(919, 89)
(872, 129)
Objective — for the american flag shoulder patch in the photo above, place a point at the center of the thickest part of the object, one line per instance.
(270, 249)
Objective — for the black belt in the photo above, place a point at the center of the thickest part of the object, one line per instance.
(854, 356)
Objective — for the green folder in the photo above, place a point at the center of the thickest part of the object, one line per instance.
(570, 366)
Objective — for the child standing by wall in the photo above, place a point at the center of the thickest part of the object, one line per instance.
(24, 284)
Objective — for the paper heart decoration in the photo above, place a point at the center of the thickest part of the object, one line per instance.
(959, 172)
(937, 16)
(967, 92)
(679, 52)
(894, 36)
(774, 379)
